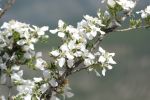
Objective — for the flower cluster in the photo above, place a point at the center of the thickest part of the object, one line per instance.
(16, 49)
(80, 49)
(76, 42)
(145, 13)
(104, 59)
(16, 35)
(127, 5)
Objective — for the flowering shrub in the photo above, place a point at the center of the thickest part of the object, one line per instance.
(80, 50)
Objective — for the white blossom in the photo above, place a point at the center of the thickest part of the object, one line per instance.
(127, 5)
(26, 87)
(40, 64)
(17, 76)
(69, 55)
(61, 61)
(111, 3)
(105, 59)
(88, 62)
(41, 31)
(64, 47)
(145, 13)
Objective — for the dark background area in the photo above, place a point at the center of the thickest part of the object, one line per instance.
(129, 79)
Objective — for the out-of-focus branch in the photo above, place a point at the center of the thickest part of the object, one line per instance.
(132, 28)
(6, 7)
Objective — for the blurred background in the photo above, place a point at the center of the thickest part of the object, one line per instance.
(129, 79)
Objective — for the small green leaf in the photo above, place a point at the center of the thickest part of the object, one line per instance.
(16, 36)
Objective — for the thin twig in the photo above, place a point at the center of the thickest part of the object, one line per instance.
(7, 6)
(132, 28)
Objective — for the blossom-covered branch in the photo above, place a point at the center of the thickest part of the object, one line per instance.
(80, 50)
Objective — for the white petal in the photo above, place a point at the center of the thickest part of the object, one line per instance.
(69, 56)
(17, 76)
(61, 34)
(97, 73)
(55, 53)
(94, 33)
(5, 25)
(20, 73)
(27, 97)
(44, 28)
(54, 31)
(102, 59)
(40, 64)
(28, 55)
(15, 67)
(69, 94)
(102, 32)
(21, 42)
(64, 47)
(26, 47)
(34, 40)
(31, 46)
(71, 44)
(111, 61)
(112, 54)
(89, 36)
(88, 62)
(61, 24)
(61, 62)
(103, 71)
(101, 50)
(44, 87)
(37, 79)
(70, 63)
(111, 3)
(91, 56)
(78, 54)
(109, 67)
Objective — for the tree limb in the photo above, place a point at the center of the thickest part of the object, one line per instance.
(7, 6)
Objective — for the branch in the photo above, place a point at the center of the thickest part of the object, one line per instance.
(132, 28)
(7, 6)
(78, 68)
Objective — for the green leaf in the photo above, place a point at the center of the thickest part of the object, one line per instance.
(135, 23)
(16, 36)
